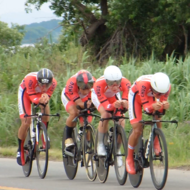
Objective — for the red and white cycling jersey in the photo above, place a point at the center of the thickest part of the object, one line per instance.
(106, 96)
(30, 91)
(71, 93)
(141, 95)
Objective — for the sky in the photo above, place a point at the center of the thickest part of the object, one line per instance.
(13, 11)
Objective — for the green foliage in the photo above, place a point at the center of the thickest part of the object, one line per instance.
(145, 25)
(10, 36)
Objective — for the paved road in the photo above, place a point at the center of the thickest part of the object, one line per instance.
(12, 178)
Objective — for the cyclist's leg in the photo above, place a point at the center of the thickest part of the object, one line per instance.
(24, 106)
(102, 126)
(135, 115)
(71, 109)
(102, 130)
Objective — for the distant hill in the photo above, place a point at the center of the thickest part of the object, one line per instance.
(35, 31)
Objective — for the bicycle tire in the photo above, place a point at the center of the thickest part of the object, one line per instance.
(157, 161)
(120, 171)
(70, 163)
(102, 168)
(42, 150)
(88, 152)
(28, 155)
(136, 179)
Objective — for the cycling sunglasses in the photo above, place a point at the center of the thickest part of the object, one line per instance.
(111, 82)
(85, 86)
(44, 85)
(157, 93)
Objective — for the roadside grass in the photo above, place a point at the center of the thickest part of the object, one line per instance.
(10, 152)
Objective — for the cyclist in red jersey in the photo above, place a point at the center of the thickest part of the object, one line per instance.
(150, 92)
(106, 98)
(76, 92)
(36, 87)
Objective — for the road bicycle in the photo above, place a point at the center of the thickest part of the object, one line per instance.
(115, 142)
(82, 150)
(145, 156)
(36, 144)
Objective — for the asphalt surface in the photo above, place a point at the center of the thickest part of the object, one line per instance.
(12, 178)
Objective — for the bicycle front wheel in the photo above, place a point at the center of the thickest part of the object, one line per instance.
(42, 150)
(136, 179)
(159, 162)
(88, 152)
(28, 155)
(102, 165)
(120, 154)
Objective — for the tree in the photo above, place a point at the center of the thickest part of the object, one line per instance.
(133, 27)
(10, 36)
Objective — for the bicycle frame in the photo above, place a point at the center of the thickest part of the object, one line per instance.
(34, 127)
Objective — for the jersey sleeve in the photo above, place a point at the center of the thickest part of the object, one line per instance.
(71, 89)
(144, 88)
(125, 85)
(30, 83)
(99, 87)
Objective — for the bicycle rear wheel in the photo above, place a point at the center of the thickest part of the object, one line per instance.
(42, 150)
(28, 155)
(70, 162)
(88, 152)
(136, 179)
(120, 154)
(102, 166)
(159, 163)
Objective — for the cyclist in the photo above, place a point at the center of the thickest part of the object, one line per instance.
(36, 87)
(106, 98)
(76, 92)
(150, 92)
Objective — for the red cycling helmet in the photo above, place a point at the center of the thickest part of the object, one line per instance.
(84, 80)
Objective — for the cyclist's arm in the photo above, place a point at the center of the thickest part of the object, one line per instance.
(125, 85)
(99, 90)
(30, 84)
(145, 99)
(71, 90)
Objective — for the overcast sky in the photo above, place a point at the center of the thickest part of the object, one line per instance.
(13, 11)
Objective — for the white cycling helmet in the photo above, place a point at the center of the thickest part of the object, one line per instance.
(160, 82)
(112, 73)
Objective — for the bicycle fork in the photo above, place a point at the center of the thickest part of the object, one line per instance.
(148, 146)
